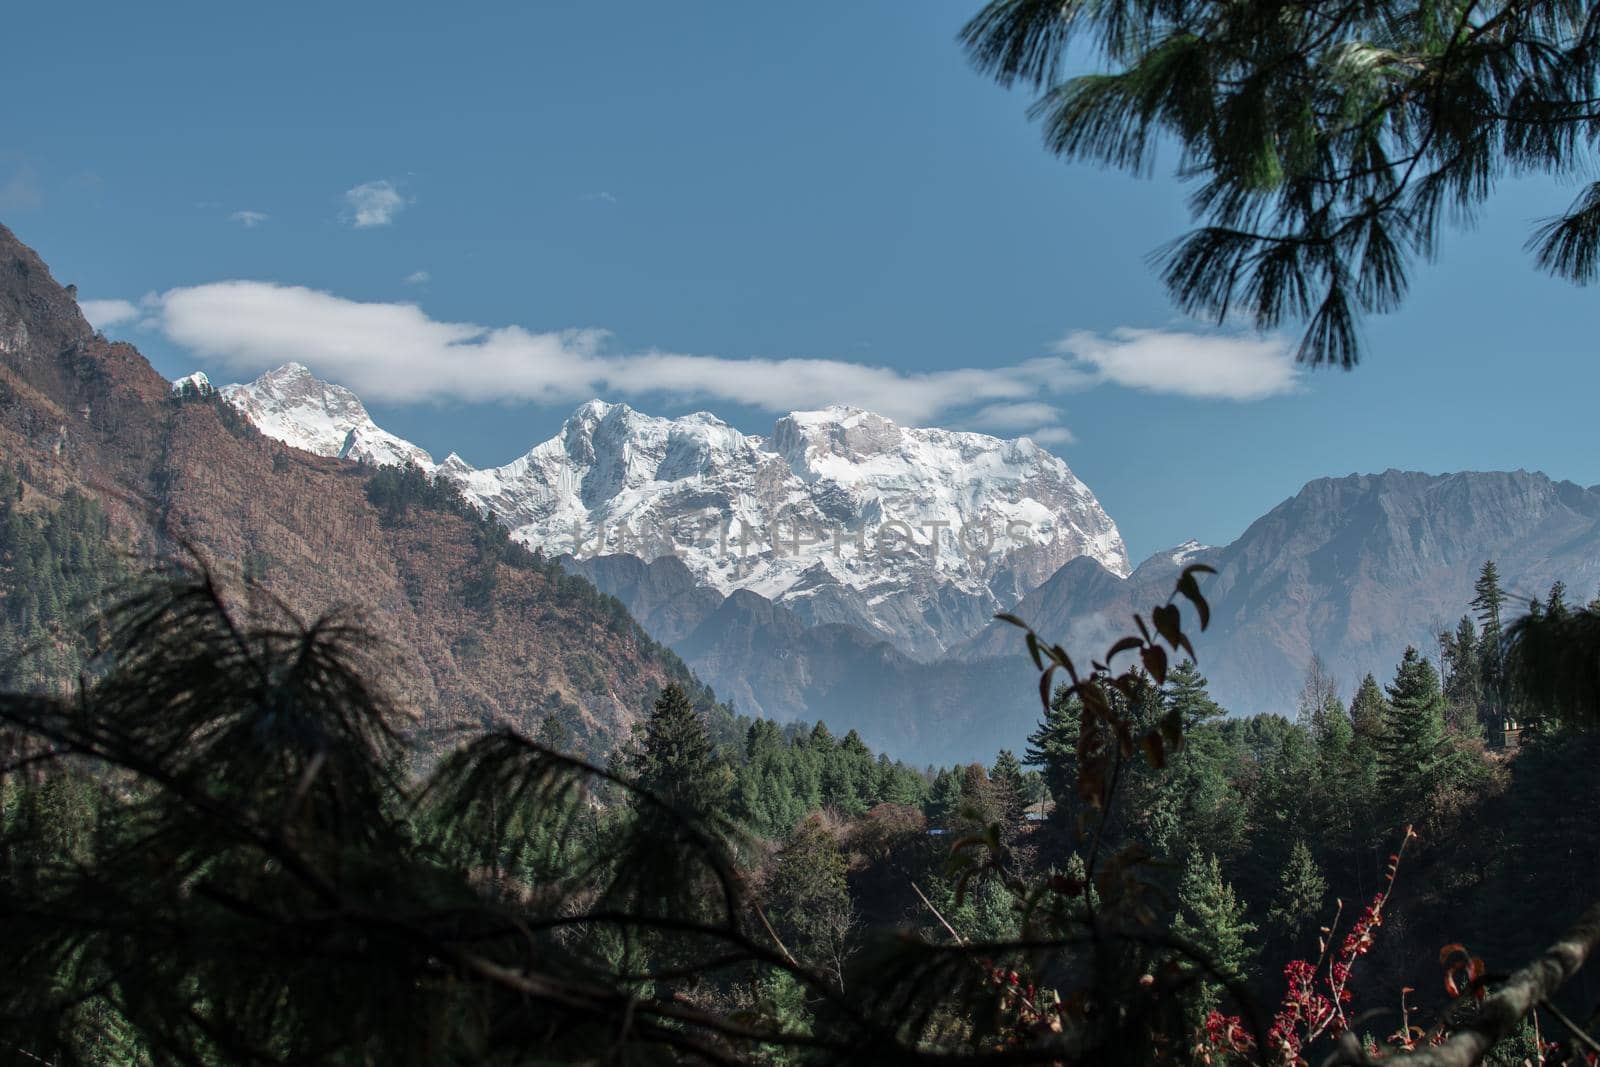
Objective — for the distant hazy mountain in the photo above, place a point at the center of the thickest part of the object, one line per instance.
(1353, 569)
(769, 661)
(840, 515)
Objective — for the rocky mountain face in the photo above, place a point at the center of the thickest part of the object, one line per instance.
(183, 469)
(1353, 569)
(916, 536)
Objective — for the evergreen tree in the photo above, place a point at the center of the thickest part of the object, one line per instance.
(1186, 694)
(1053, 749)
(1212, 917)
(1330, 144)
(1197, 807)
(1330, 726)
(1368, 711)
(821, 738)
(895, 783)
(1555, 606)
(1463, 686)
(55, 561)
(1411, 748)
(1053, 745)
(856, 760)
(1301, 890)
(1284, 802)
(945, 799)
(1339, 779)
(676, 761)
(838, 776)
(1487, 600)
(980, 800)
(1006, 778)
(553, 734)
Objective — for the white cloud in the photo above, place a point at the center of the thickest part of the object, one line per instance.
(418, 277)
(1012, 416)
(249, 219)
(1054, 435)
(1213, 366)
(373, 204)
(1009, 416)
(104, 313)
(602, 195)
(395, 352)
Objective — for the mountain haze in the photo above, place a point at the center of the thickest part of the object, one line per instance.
(767, 660)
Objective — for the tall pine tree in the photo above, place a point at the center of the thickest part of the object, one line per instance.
(676, 761)
(1301, 889)
(1368, 710)
(1463, 687)
(1487, 600)
(1212, 917)
(1006, 777)
(1186, 694)
(1411, 747)
(1053, 748)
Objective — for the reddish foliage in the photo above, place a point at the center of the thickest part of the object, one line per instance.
(1314, 997)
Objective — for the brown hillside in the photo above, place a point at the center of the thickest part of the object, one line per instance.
(77, 410)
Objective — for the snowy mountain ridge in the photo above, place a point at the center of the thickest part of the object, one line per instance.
(918, 535)
(300, 410)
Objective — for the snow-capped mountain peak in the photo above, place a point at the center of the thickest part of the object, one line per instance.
(1187, 551)
(839, 513)
(1170, 560)
(299, 409)
(196, 383)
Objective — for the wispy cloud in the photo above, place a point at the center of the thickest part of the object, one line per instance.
(395, 352)
(1054, 435)
(1212, 366)
(105, 313)
(1041, 421)
(602, 196)
(418, 277)
(373, 204)
(249, 219)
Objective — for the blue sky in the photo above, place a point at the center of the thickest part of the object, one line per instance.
(711, 184)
